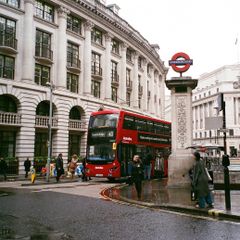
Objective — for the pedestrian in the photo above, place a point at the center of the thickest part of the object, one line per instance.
(137, 174)
(147, 165)
(200, 183)
(73, 165)
(27, 165)
(59, 167)
(84, 174)
(3, 168)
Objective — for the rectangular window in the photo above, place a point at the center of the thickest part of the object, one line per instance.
(73, 55)
(41, 140)
(42, 74)
(72, 82)
(128, 77)
(115, 46)
(44, 10)
(74, 24)
(95, 89)
(114, 75)
(96, 64)
(8, 33)
(13, 3)
(7, 65)
(128, 97)
(96, 36)
(114, 94)
(43, 44)
(139, 102)
(7, 143)
(129, 55)
(139, 62)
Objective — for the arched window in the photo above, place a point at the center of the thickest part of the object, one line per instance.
(43, 109)
(75, 114)
(7, 104)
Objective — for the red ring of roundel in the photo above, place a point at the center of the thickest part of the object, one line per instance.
(182, 55)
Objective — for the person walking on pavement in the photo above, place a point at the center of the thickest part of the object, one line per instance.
(73, 165)
(137, 174)
(147, 165)
(59, 166)
(3, 168)
(84, 174)
(200, 183)
(27, 165)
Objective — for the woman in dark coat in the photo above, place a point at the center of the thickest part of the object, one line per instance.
(137, 174)
(200, 183)
(59, 167)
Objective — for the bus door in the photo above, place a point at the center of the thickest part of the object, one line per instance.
(125, 155)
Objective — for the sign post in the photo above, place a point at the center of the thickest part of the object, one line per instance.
(181, 158)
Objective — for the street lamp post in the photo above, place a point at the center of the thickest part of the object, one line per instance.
(49, 133)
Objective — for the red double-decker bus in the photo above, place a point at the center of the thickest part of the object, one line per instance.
(114, 136)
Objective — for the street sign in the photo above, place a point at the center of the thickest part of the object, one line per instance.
(224, 130)
(180, 59)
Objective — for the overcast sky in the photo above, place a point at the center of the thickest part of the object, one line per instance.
(204, 29)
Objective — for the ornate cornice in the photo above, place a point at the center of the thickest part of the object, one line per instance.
(88, 25)
(100, 13)
(109, 37)
(63, 12)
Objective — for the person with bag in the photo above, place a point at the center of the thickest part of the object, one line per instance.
(59, 167)
(200, 183)
(137, 174)
(73, 165)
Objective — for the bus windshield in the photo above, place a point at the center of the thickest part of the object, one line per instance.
(101, 152)
(106, 120)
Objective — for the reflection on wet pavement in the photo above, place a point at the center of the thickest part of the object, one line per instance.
(157, 192)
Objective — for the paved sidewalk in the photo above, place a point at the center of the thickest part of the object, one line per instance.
(156, 194)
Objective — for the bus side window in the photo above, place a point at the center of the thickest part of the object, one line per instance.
(129, 122)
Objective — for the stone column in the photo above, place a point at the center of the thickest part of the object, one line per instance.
(28, 43)
(135, 82)
(181, 159)
(123, 81)
(62, 48)
(152, 91)
(158, 95)
(145, 88)
(107, 73)
(87, 58)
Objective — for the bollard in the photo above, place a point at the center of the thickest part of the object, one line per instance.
(33, 174)
(226, 163)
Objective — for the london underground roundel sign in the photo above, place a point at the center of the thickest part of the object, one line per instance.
(180, 62)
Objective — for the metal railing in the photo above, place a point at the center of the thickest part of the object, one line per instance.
(43, 51)
(8, 40)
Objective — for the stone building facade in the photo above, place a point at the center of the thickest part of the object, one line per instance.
(83, 55)
(222, 80)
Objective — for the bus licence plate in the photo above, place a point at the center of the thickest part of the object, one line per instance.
(99, 175)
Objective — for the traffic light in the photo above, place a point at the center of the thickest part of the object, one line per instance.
(225, 160)
(220, 102)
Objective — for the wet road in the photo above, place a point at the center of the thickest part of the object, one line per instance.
(77, 211)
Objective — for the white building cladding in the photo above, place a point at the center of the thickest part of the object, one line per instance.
(89, 54)
(205, 102)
